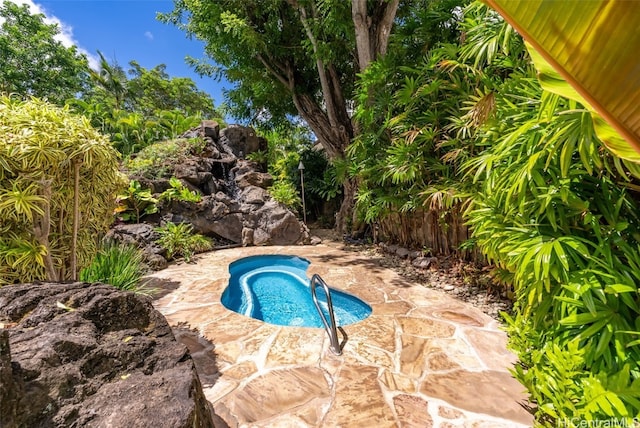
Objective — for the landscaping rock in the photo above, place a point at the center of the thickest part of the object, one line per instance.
(276, 225)
(90, 355)
(415, 254)
(229, 227)
(403, 253)
(254, 195)
(210, 128)
(391, 249)
(254, 178)
(241, 140)
(247, 237)
(144, 237)
(11, 387)
(421, 262)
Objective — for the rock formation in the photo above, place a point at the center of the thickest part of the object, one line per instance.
(235, 207)
(82, 355)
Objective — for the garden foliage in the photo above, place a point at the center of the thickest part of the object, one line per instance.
(179, 192)
(549, 206)
(159, 159)
(287, 146)
(58, 181)
(118, 265)
(557, 212)
(180, 241)
(135, 202)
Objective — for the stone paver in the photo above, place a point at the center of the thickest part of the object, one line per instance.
(422, 359)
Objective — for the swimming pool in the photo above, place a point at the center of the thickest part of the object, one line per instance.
(276, 290)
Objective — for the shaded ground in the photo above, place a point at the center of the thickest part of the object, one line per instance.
(463, 280)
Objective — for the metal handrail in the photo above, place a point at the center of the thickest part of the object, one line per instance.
(331, 329)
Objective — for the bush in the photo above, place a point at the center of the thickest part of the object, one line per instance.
(58, 184)
(179, 240)
(158, 159)
(135, 202)
(118, 265)
(551, 211)
(178, 192)
(285, 192)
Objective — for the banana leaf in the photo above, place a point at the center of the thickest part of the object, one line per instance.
(594, 45)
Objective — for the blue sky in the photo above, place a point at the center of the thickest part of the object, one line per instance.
(125, 30)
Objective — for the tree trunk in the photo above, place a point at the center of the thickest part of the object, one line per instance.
(346, 219)
(73, 266)
(41, 230)
(372, 30)
(329, 120)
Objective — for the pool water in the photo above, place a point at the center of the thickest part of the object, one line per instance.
(276, 290)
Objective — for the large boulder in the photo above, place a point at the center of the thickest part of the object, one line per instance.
(89, 355)
(241, 140)
(11, 387)
(273, 224)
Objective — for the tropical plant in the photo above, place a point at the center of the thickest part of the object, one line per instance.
(590, 34)
(33, 62)
(285, 192)
(58, 182)
(149, 107)
(150, 91)
(178, 192)
(135, 202)
(407, 156)
(109, 84)
(119, 265)
(180, 241)
(559, 213)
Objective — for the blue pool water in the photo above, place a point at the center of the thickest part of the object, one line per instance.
(276, 290)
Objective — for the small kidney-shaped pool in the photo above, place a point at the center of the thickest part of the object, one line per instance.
(276, 290)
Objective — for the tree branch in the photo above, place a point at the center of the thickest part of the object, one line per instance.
(285, 80)
(362, 23)
(383, 27)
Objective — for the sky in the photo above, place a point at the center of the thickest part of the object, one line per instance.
(125, 30)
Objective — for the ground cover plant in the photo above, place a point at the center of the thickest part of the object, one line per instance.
(119, 265)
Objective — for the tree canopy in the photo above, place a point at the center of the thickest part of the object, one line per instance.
(296, 57)
(33, 62)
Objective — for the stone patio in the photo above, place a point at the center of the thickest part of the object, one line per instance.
(422, 359)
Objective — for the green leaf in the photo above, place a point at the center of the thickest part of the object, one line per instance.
(620, 288)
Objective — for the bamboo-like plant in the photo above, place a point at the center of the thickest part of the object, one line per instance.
(557, 212)
(58, 180)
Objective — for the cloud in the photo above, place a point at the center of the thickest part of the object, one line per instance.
(65, 36)
(148, 35)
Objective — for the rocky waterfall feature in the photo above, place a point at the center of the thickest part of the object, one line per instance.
(236, 207)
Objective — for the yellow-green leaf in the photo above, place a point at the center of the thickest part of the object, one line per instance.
(593, 45)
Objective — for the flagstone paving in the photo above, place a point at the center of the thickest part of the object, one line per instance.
(422, 359)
